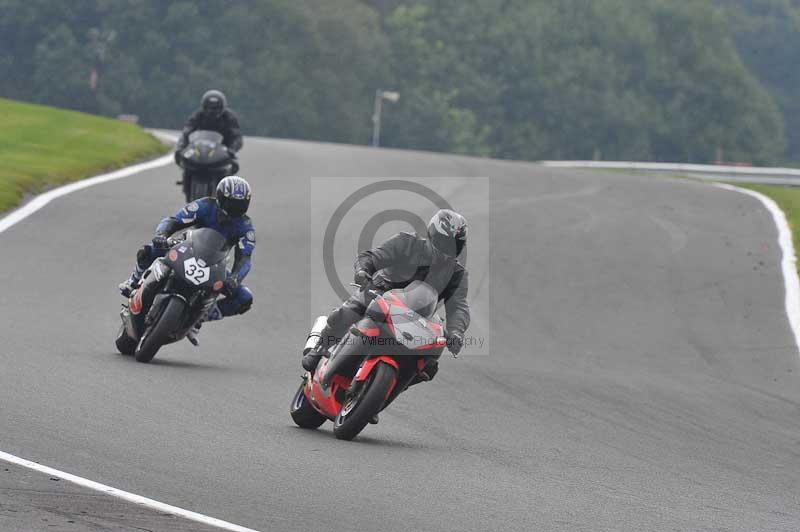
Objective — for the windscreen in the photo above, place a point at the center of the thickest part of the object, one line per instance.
(204, 135)
(420, 297)
(209, 245)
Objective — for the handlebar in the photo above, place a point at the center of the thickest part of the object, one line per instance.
(366, 288)
(171, 241)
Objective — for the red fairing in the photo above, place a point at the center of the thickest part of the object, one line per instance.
(436, 328)
(433, 345)
(135, 303)
(385, 309)
(324, 400)
(369, 331)
(366, 368)
(394, 300)
(369, 365)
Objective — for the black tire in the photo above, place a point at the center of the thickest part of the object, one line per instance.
(187, 188)
(202, 188)
(125, 344)
(303, 414)
(159, 332)
(368, 401)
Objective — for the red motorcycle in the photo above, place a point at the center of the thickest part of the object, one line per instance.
(381, 356)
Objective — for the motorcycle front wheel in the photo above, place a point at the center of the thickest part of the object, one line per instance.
(359, 409)
(160, 331)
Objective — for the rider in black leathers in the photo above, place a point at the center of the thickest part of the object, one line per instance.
(213, 115)
(395, 264)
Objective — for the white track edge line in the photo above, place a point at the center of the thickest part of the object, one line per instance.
(16, 216)
(124, 495)
(791, 281)
(39, 201)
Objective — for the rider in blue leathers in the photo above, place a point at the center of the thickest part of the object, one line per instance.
(226, 214)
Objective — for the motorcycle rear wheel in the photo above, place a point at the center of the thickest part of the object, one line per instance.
(201, 188)
(357, 411)
(159, 333)
(303, 414)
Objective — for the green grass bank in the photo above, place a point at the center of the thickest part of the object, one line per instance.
(788, 199)
(42, 147)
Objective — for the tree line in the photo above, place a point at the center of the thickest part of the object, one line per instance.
(659, 80)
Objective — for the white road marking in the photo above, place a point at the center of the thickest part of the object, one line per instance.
(788, 259)
(16, 216)
(124, 495)
(680, 168)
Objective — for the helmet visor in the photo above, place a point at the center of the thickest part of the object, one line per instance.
(446, 244)
(234, 207)
(213, 106)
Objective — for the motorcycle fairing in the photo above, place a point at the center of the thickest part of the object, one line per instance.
(168, 277)
(327, 400)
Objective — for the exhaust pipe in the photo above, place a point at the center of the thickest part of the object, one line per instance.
(315, 336)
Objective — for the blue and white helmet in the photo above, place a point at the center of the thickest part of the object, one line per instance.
(447, 231)
(233, 196)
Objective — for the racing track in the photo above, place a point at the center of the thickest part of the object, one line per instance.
(643, 374)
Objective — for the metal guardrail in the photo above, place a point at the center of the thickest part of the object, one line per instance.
(740, 174)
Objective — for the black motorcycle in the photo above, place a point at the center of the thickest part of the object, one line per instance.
(176, 291)
(206, 160)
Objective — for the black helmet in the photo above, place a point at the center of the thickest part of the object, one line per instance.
(233, 196)
(447, 231)
(213, 102)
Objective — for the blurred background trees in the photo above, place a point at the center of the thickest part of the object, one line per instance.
(660, 80)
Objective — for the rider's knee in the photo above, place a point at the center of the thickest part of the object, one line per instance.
(245, 297)
(335, 317)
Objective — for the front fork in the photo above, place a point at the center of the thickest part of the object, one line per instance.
(367, 367)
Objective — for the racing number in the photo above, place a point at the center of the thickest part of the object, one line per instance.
(194, 272)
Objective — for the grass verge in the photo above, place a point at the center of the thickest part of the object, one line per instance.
(788, 199)
(42, 147)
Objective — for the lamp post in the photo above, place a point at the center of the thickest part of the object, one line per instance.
(380, 95)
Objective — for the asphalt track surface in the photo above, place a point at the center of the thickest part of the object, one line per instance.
(642, 376)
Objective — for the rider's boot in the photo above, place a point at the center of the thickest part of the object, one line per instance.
(312, 358)
(127, 287)
(213, 315)
(193, 332)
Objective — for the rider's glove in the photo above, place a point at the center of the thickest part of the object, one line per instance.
(231, 153)
(455, 342)
(160, 242)
(231, 284)
(362, 277)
